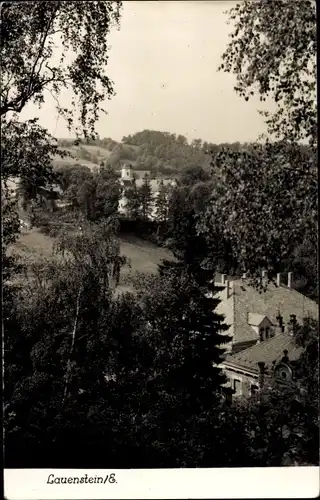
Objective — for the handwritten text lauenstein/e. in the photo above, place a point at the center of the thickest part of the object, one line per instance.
(108, 478)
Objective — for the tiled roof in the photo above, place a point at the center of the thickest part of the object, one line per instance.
(154, 183)
(244, 299)
(141, 173)
(269, 351)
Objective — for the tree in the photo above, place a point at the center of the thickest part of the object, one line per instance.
(196, 143)
(185, 389)
(193, 175)
(264, 203)
(186, 203)
(182, 140)
(179, 307)
(26, 156)
(93, 194)
(278, 58)
(86, 198)
(108, 192)
(10, 232)
(22, 144)
(58, 346)
(29, 34)
(161, 203)
(68, 174)
(146, 197)
(133, 204)
(282, 426)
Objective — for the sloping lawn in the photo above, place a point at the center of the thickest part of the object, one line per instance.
(143, 256)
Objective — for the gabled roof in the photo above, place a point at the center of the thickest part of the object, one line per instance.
(268, 351)
(255, 319)
(244, 299)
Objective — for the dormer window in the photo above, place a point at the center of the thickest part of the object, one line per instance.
(261, 324)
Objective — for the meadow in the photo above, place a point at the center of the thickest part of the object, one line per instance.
(142, 255)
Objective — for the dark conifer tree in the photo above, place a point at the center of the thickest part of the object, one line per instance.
(146, 197)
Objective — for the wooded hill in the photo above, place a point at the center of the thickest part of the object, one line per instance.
(161, 153)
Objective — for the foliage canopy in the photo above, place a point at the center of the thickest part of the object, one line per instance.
(272, 52)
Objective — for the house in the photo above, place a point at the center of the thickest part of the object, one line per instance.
(53, 195)
(261, 325)
(255, 316)
(249, 370)
(127, 178)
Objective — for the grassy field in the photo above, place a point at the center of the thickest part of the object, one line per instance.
(100, 154)
(33, 245)
(144, 257)
(57, 161)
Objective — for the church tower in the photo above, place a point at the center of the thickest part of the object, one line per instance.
(126, 173)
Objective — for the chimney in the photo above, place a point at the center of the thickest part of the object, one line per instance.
(223, 279)
(261, 365)
(244, 276)
(285, 358)
(228, 288)
(278, 279)
(292, 324)
(290, 280)
(264, 274)
(280, 327)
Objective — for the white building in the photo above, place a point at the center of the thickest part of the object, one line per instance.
(127, 178)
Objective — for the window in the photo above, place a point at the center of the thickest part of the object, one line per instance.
(261, 334)
(267, 333)
(254, 389)
(237, 386)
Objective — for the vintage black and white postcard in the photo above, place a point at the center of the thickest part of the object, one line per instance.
(159, 202)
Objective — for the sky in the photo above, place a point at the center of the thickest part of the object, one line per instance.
(163, 62)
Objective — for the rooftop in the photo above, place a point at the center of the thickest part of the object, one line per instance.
(255, 319)
(154, 183)
(244, 302)
(268, 351)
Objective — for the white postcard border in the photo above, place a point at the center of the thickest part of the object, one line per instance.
(267, 482)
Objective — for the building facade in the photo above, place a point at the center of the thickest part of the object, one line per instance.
(251, 369)
(261, 325)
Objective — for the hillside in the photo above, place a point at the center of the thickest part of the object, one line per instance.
(160, 153)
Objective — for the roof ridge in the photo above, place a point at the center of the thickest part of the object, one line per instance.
(275, 286)
(264, 343)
